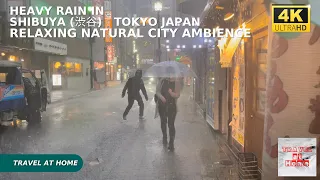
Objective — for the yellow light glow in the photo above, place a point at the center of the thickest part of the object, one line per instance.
(68, 65)
(219, 7)
(3, 54)
(244, 25)
(57, 65)
(146, 20)
(12, 58)
(228, 16)
(78, 68)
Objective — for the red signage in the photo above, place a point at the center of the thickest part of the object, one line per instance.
(110, 53)
(108, 25)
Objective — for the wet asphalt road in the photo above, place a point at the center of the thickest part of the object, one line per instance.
(112, 149)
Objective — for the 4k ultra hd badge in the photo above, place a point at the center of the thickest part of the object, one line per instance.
(291, 18)
(297, 157)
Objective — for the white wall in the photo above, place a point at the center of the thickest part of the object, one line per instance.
(220, 84)
(79, 83)
(98, 50)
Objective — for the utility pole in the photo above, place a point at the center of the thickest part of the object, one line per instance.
(159, 45)
(205, 55)
(121, 59)
(91, 41)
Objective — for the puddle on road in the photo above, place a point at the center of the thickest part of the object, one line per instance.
(95, 162)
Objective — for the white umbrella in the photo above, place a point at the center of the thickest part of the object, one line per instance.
(169, 69)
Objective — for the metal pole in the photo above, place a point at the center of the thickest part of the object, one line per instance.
(205, 78)
(105, 58)
(167, 55)
(91, 62)
(159, 45)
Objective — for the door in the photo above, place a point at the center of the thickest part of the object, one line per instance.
(44, 81)
(256, 61)
(34, 89)
(46, 93)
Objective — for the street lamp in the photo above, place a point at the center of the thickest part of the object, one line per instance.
(184, 46)
(194, 46)
(178, 46)
(158, 8)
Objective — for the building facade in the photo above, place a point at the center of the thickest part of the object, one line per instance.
(239, 89)
(292, 109)
(256, 49)
(65, 60)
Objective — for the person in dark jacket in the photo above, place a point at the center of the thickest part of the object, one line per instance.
(134, 85)
(168, 91)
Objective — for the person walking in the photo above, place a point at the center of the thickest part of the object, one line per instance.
(134, 85)
(167, 93)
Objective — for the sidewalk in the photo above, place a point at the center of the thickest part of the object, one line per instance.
(60, 95)
(199, 152)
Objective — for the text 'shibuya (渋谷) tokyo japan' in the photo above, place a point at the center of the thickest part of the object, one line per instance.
(73, 22)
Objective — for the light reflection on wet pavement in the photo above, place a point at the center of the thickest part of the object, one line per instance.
(92, 127)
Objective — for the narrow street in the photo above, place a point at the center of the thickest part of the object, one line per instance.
(112, 149)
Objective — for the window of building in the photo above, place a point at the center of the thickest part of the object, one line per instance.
(260, 88)
(68, 68)
(9, 75)
(99, 65)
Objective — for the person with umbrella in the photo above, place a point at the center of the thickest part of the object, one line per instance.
(167, 93)
(134, 85)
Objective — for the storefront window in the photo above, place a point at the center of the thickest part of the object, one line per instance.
(67, 68)
(238, 96)
(99, 65)
(260, 89)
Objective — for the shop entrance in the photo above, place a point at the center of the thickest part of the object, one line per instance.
(256, 55)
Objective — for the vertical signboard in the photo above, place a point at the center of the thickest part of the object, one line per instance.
(108, 25)
(238, 111)
(242, 92)
(110, 53)
(235, 102)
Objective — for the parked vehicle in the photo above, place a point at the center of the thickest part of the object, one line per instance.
(22, 95)
(42, 77)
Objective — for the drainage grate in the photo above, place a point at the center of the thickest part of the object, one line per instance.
(248, 167)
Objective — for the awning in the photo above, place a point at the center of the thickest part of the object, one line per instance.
(228, 47)
(191, 7)
(214, 13)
